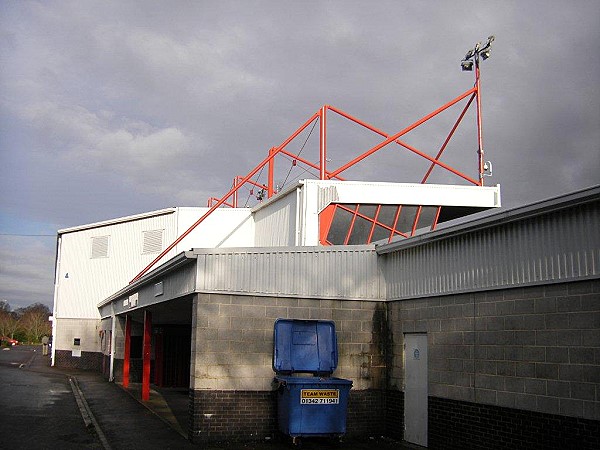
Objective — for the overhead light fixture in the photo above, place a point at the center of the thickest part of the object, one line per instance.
(472, 57)
(487, 169)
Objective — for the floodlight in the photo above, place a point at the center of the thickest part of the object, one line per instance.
(472, 57)
(487, 169)
(467, 65)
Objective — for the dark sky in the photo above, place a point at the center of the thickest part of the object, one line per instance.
(114, 108)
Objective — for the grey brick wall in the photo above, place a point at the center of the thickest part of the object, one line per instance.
(535, 348)
(232, 339)
(87, 360)
(232, 348)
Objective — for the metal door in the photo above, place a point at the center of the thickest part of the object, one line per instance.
(415, 388)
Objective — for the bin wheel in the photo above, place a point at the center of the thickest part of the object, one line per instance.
(296, 441)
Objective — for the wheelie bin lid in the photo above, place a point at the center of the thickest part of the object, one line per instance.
(304, 346)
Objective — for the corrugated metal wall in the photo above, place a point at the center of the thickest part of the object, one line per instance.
(331, 272)
(91, 280)
(559, 246)
(275, 223)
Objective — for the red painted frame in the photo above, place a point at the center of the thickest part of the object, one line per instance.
(230, 198)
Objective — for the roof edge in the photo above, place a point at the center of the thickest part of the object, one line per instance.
(175, 262)
(159, 212)
(586, 195)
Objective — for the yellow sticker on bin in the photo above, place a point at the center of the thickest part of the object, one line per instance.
(319, 396)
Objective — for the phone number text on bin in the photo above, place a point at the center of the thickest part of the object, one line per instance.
(319, 397)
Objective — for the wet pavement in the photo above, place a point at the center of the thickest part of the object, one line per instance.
(38, 411)
(41, 407)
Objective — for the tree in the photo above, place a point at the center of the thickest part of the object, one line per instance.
(9, 322)
(33, 320)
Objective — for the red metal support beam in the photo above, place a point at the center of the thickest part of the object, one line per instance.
(271, 182)
(323, 143)
(435, 220)
(325, 220)
(374, 224)
(309, 164)
(395, 223)
(224, 198)
(351, 227)
(396, 136)
(213, 199)
(146, 352)
(127, 352)
(322, 167)
(416, 221)
(445, 144)
(235, 193)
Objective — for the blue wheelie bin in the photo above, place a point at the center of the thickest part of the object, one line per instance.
(310, 402)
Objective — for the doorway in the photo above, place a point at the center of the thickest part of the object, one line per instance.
(415, 388)
(172, 355)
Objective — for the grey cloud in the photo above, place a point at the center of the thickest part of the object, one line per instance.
(114, 108)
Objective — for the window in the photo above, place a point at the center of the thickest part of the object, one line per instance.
(153, 241)
(100, 247)
(348, 224)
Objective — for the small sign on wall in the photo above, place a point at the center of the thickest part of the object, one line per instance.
(158, 289)
(76, 353)
(133, 300)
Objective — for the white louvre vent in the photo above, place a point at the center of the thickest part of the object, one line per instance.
(100, 247)
(153, 241)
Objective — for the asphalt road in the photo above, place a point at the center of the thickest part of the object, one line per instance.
(38, 410)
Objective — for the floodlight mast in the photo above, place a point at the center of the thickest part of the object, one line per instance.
(470, 59)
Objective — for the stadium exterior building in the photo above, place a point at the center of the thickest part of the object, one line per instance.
(484, 334)
(504, 312)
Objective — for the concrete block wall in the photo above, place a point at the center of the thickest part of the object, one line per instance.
(232, 339)
(87, 330)
(232, 348)
(529, 349)
(534, 348)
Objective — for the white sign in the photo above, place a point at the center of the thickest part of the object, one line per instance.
(133, 299)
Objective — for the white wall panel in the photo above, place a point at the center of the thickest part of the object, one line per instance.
(225, 227)
(91, 280)
(86, 330)
(276, 222)
(83, 281)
